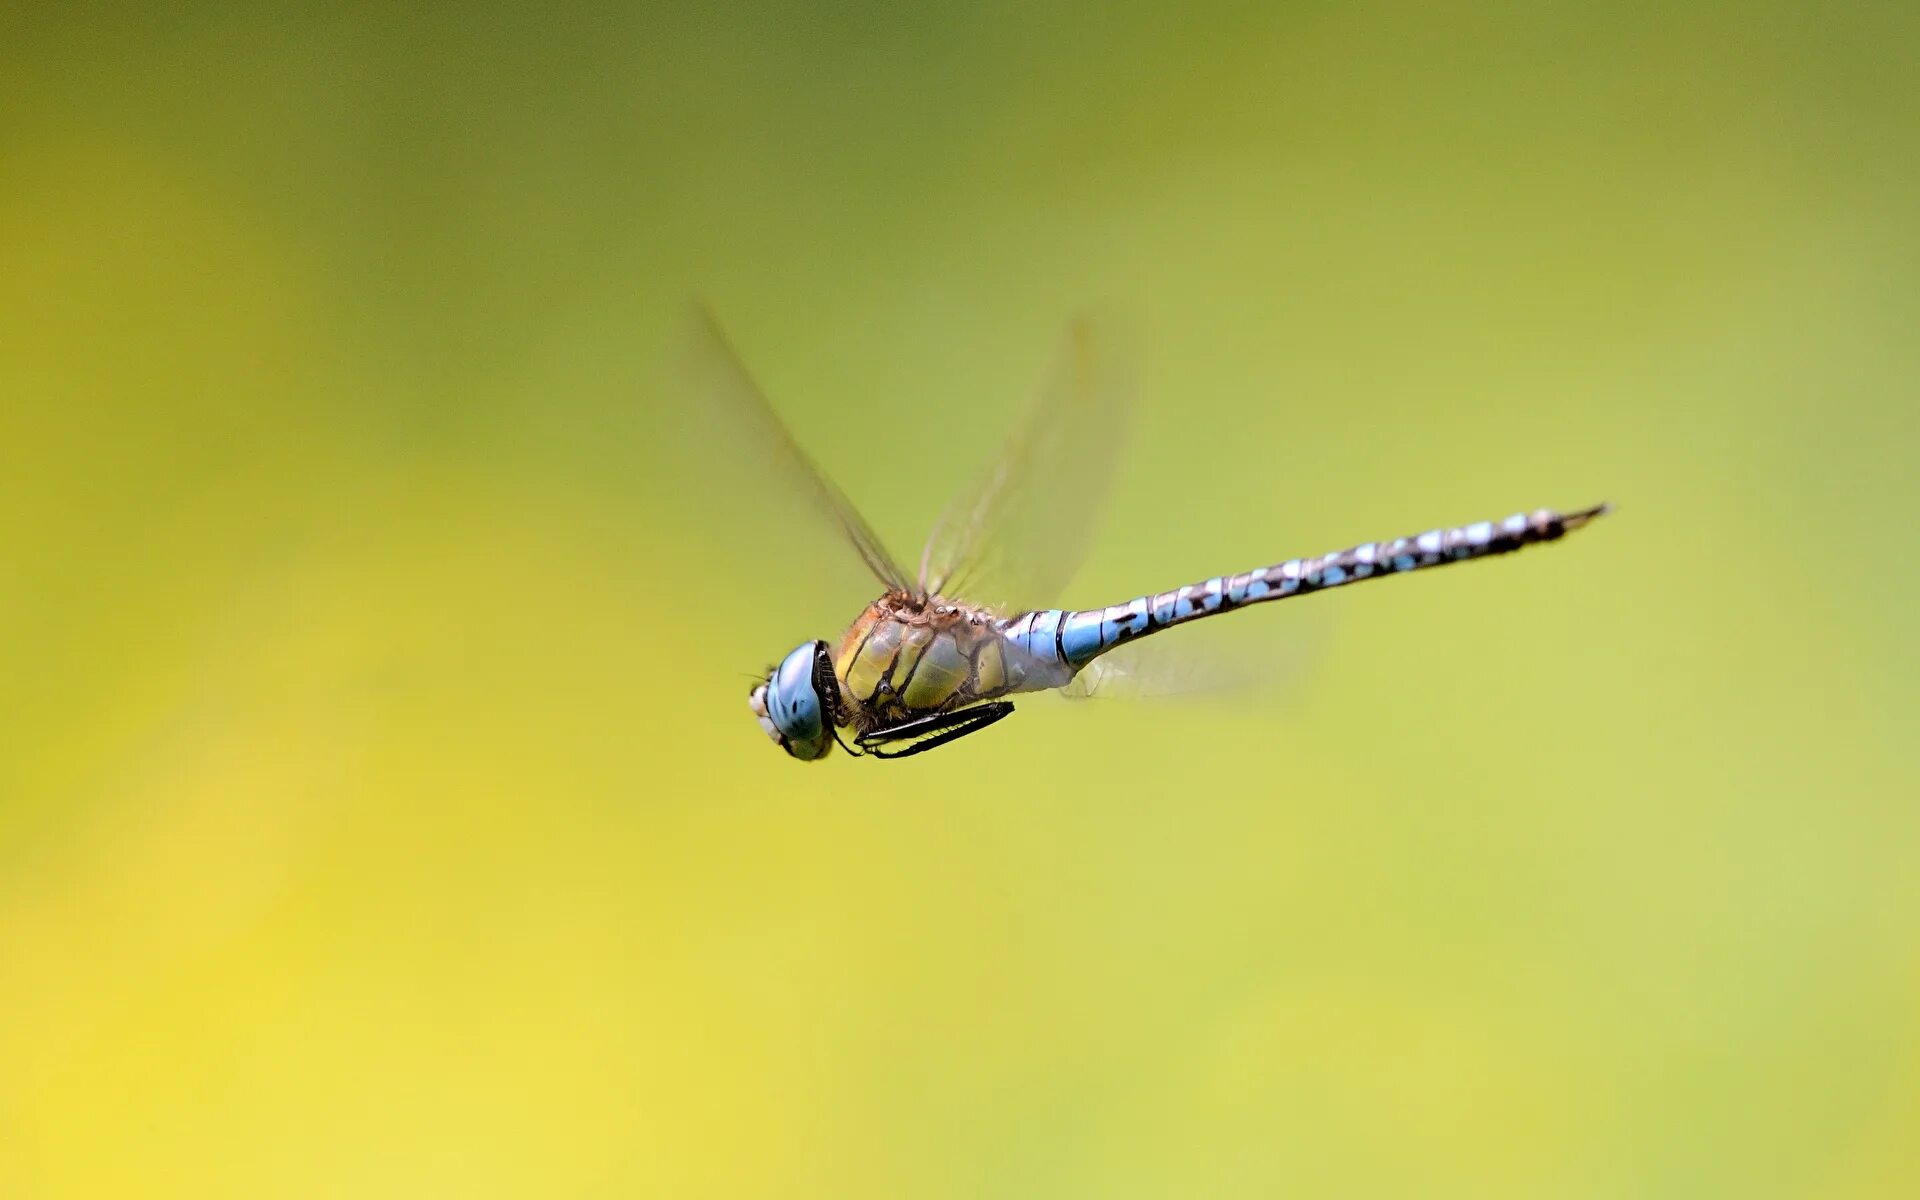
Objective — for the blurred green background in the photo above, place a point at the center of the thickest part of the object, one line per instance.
(379, 812)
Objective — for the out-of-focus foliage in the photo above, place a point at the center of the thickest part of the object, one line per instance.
(380, 814)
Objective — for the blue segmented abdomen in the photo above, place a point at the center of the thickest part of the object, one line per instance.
(1077, 638)
(1038, 635)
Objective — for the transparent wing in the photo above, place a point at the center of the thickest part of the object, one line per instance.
(726, 402)
(1020, 532)
(1237, 659)
(1148, 672)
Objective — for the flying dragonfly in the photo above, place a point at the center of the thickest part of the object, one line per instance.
(932, 660)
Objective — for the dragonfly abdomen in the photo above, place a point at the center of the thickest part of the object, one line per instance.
(1082, 636)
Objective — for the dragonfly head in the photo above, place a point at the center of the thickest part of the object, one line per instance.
(795, 706)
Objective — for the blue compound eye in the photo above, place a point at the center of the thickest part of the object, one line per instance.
(793, 706)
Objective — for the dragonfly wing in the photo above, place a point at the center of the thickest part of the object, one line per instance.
(1019, 533)
(1218, 663)
(727, 401)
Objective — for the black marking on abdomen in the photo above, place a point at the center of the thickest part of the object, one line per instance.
(1303, 576)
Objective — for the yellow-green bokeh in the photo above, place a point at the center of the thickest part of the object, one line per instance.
(379, 810)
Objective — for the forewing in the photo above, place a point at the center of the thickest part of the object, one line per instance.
(1018, 534)
(724, 402)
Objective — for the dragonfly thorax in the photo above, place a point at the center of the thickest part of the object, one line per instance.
(910, 656)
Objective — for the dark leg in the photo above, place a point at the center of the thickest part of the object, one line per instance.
(924, 733)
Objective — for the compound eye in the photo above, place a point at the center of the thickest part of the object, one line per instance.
(798, 701)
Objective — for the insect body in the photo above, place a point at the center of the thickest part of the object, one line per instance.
(921, 667)
(915, 672)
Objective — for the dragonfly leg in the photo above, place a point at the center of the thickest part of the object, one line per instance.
(924, 733)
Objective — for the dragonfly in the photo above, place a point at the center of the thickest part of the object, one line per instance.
(931, 661)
